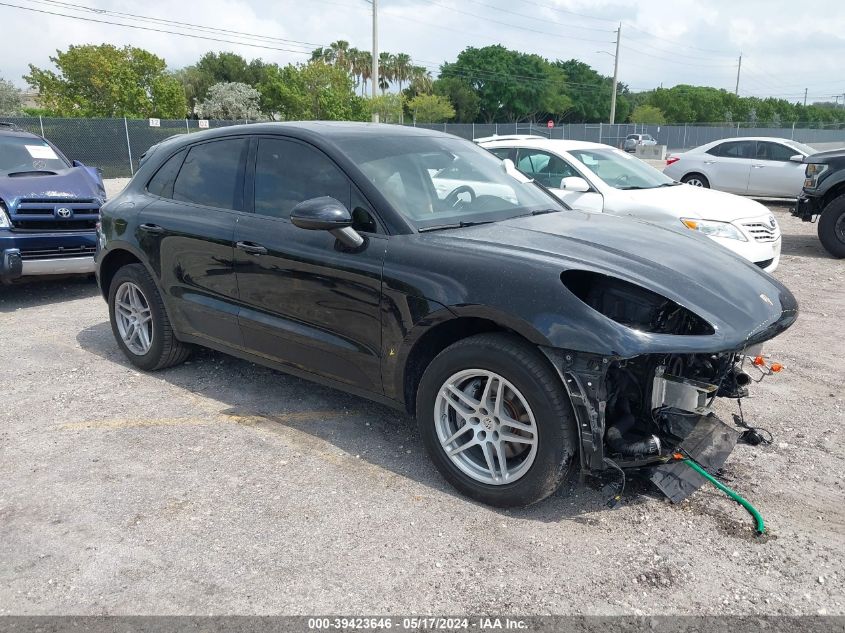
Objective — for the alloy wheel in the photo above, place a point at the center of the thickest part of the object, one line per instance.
(134, 318)
(485, 426)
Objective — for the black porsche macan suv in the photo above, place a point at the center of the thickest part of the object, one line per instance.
(414, 268)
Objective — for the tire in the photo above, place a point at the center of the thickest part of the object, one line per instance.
(532, 472)
(832, 227)
(162, 348)
(696, 180)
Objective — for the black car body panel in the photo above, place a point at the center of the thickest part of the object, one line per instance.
(358, 318)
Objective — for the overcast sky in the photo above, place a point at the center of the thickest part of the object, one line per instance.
(786, 45)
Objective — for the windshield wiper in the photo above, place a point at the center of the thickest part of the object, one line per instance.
(674, 183)
(545, 211)
(457, 225)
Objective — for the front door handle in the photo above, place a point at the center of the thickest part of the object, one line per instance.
(151, 228)
(758, 166)
(251, 248)
(709, 162)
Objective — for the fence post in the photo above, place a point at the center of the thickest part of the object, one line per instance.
(41, 123)
(473, 130)
(496, 131)
(128, 147)
(791, 137)
(600, 129)
(684, 143)
(187, 129)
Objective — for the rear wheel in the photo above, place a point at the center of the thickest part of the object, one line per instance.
(139, 321)
(832, 227)
(496, 421)
(696, 180)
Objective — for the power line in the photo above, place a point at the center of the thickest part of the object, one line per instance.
(179, 24)
(149, 28)
(513, 26)
(676, 42)
(543, 20)
(673, 61)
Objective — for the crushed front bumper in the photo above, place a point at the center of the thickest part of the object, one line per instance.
(806, 207)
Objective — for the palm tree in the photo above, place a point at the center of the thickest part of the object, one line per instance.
(385, 71)
(420, 79)
(402, 68)
(339, 54)
(366, 62)
(320, 55)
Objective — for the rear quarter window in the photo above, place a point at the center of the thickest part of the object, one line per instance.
(161, 184)
(212, 174)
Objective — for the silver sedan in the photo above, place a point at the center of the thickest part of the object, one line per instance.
(752, 166)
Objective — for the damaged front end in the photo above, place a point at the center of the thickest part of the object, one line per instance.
(640, 411)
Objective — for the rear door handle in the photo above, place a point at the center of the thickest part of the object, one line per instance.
(710, 162)
(251, 248)
(151, 228)
(758, 166)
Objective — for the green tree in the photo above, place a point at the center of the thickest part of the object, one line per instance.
(10, 98)
(461, 95)
(430, 109)
(511, 86)
(590, 93)
(230, 101)
(647, 114)
(106, 81)
(388, 106)
(214, 68)
(313, 91)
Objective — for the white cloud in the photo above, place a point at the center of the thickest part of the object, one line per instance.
(785, 46)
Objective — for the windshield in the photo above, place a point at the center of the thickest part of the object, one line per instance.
(804, 149)
(26, 154)
(435, 181)
(621, 170)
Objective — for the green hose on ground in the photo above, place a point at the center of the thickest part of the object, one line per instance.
(761, 527)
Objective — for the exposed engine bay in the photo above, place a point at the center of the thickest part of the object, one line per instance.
(638, 412)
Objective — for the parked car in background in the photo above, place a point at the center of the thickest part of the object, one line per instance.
(521, 333)
(823, 198)
(598, 178)
(49, 208)
(751, 166)
(632, 140)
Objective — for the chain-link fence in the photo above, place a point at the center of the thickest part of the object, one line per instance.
(116, 145)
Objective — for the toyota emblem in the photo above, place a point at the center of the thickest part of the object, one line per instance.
(64, 212)
(772, 222)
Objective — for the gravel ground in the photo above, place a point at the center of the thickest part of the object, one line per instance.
(223, 487)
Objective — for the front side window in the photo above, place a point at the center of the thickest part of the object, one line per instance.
(621, 170)
(212, 173)
(545, 168)
(438, 182)
(774, 151)
(22, 154)
(288, 172)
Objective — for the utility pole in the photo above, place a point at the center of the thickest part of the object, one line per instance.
(805, 97)
(738, 69)
(375, 55)
(615, 76)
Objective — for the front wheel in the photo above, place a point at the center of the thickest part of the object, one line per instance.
(832, 227)
(496, 421)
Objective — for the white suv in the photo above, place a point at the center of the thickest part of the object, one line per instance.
(601, 179)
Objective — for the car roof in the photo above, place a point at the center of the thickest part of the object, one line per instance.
(775, 139)
(539, 142)
(10, 129)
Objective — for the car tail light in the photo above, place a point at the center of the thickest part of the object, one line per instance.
(672, 159)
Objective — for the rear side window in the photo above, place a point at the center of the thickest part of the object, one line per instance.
(212, 174)
(500, 152)
(734, 149)
(162, 183)
(288, 172)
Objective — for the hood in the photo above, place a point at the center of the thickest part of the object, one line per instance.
(744, 304)
(73, 182)
(826, 156)
(696, 202)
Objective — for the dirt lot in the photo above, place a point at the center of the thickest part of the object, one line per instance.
(222, 487)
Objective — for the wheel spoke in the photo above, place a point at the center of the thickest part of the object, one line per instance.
(487, 448)
(144, 337)
(503, 460)
(456, 435)
(462, 447)
(516, 439)
(500, 399)
(462, 398)
(519, 426)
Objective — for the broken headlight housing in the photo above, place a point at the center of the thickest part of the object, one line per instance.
(4, 217)
(711, 228)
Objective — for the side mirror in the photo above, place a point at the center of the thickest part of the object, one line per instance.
(797, 158)
(326, 214)
(575, 183)
(76, 163)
